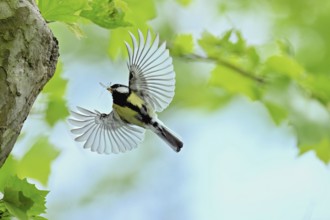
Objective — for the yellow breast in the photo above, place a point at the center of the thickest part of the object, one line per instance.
(127, 114)
(135, 99)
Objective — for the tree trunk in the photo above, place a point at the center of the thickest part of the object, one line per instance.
(28, 58)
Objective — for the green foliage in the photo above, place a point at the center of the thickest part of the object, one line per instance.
(183, 44)
(107, 14)
(7, 170)
(310, 23)
(211, 44)
(184, 2)
(283, 64)
(239, 71)
(55, 89)
(22, 200)
(231, 48)
(38, 169)
(230, 44)
(140, 12)
(35, 164)
(196, 92)
(318, 86)
(59, 106)
(322, 149)
(66, 11)
(277, 112)
(138, 15)
(232, 82)
(117, 47)
(234, 61)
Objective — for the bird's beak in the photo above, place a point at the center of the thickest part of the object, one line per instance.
(109, 89)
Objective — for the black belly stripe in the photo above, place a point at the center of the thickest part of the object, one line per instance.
(146, 119)
(155, 124)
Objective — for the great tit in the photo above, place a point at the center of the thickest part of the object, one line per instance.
(150, 90)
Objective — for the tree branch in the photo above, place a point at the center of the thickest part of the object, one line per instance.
(226, 64)
(28, 58)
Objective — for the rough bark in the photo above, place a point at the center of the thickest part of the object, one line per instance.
(28, 57)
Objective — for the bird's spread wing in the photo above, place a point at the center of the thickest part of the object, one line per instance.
(104, 133)
(151, 73)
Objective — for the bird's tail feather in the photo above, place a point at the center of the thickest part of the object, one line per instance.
(167, 135)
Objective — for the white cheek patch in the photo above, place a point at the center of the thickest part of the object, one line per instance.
(122, 89)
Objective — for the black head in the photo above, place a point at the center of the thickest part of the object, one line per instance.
(119, 93)
(118, 88)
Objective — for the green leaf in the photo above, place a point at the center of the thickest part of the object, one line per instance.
(66, 11)
(312, 134)
(56, 110)
(202, 96)
(118, 36)
(4, 213)
(36, 163)
(285, 65)
(107, 13)
(184, 2)
(285, 47)
(183, 44)
(210, 44)
(318, 86)
(278, 113)
(16, 203)
(23, 200)
(230, 44)
(7, 170)
(56, 85)
(322, 150)
(253, 59)
(116, 43)
(55, 89)
(193, 90)
(231, 48)
(140, 12)
(233, 82)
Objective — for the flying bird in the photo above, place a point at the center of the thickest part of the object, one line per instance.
(150, 89)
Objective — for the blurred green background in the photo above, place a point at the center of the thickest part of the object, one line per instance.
(251, 104)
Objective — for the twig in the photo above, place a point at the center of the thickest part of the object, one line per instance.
(226, 64)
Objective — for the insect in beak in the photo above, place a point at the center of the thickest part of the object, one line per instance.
(106, 87)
